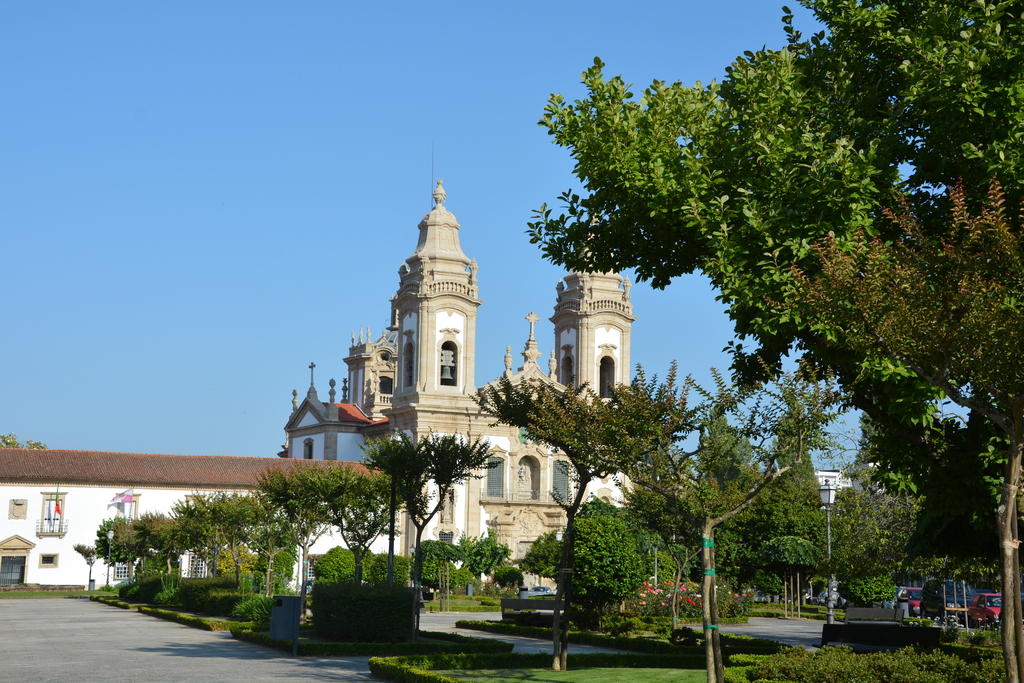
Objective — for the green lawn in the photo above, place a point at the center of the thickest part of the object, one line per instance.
(580, 675)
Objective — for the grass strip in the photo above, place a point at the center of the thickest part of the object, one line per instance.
(311, 648)
(422, 669)
(114, 602)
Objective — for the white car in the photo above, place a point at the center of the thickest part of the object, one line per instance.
(541, 590)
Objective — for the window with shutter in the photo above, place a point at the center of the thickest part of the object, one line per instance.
(495, 478)
(560, 480)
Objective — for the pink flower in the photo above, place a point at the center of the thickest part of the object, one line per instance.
(643, 602)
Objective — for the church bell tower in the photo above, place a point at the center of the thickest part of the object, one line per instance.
(593, 321)
(434, 320)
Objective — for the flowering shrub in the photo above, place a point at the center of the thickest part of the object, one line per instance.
(656, 601)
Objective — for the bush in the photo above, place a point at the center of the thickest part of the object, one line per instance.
(254, 608)
(867, 590)
(460, 579)
(144, 590)
(622, 624)
(841, 665)
(194, 593)
(375, 570)
(362, 614)
(508, 577)
(221, 602)
(337, 564)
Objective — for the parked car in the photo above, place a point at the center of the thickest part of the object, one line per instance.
(946, 598)
(984, 609)
(912, 594)
(540, 590)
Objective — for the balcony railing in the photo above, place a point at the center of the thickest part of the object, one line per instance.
(56, 527)
(526, 496)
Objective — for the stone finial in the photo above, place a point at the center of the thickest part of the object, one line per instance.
(508, 360)
(295, 400)
(332, 393)
(473, 267)
(560, 287)
(311, 367)
(369, 335)
(626, 285)
(552, 365)
(353, 339)
(360, 335)
(533, 321)
(344, 390)
(439, 194)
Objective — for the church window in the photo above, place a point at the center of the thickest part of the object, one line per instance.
(495, 478)
(567, 370)
(449, 364)
(409, 366)
(560, 481)
(307, 449)
(387, 385)
(607, 379)
(446, 536)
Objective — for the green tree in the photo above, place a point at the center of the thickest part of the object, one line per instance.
(88, 553)
(435, 554)
(745, 439)
(337, 564)
(482, 555)
(607, 566)
(575, 421)
(268, 533)
(790, 556)
(11, 441)
(949, 311)
(110, 550)
(508, 577)
(302, 494)
(362, 512)
(160, 538)
(543, 556)
(425, 473)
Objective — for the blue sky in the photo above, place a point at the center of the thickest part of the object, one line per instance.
(199, 199)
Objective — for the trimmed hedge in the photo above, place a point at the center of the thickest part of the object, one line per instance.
(734, 643)
(112, 602)
(350, 613)
(195, 592)
(192, 620)
(308, 648)
(421, 669)
(842, 665)
(221, 603)
(143, 590)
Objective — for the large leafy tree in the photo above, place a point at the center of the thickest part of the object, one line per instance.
(425, 472)
(483, 554)
(948, 310)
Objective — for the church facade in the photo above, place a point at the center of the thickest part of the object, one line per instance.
(418, 376)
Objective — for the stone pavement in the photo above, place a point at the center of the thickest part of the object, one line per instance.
(77, 640)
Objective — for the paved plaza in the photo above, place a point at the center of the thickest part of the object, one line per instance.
(78, 640)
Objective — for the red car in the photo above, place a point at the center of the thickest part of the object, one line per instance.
(984, 609)
(913, 597)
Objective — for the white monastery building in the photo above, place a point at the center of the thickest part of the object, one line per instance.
(416, 377)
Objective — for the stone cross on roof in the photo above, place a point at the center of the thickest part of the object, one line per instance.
(533, 319)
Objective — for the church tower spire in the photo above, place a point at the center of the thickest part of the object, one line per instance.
(435, 313)
(593, 321)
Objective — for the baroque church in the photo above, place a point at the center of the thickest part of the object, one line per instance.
(417, 376)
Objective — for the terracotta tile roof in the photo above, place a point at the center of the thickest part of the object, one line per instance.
(352, 412)
(138, 469)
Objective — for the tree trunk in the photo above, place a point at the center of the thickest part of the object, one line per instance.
(357, 553)
(303, 577)
(417, 582)
(1009, 564)
(270, 574)
(709, 608)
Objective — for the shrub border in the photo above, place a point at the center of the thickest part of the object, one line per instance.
(308, 648)
(738, 644)
(113, 602)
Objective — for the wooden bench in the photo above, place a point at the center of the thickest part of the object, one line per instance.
(512, 606)
(871, 628)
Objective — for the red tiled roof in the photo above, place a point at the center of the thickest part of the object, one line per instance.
(140, 469)
(352, 412)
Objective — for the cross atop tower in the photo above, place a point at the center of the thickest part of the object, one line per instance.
(533, 320)
(311, 366)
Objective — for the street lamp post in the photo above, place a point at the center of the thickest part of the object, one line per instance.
(110, 541)
(828, 498)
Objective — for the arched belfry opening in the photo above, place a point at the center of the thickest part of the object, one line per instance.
(449, 364)
(409, 374)
(568, 370)
(607, 377)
